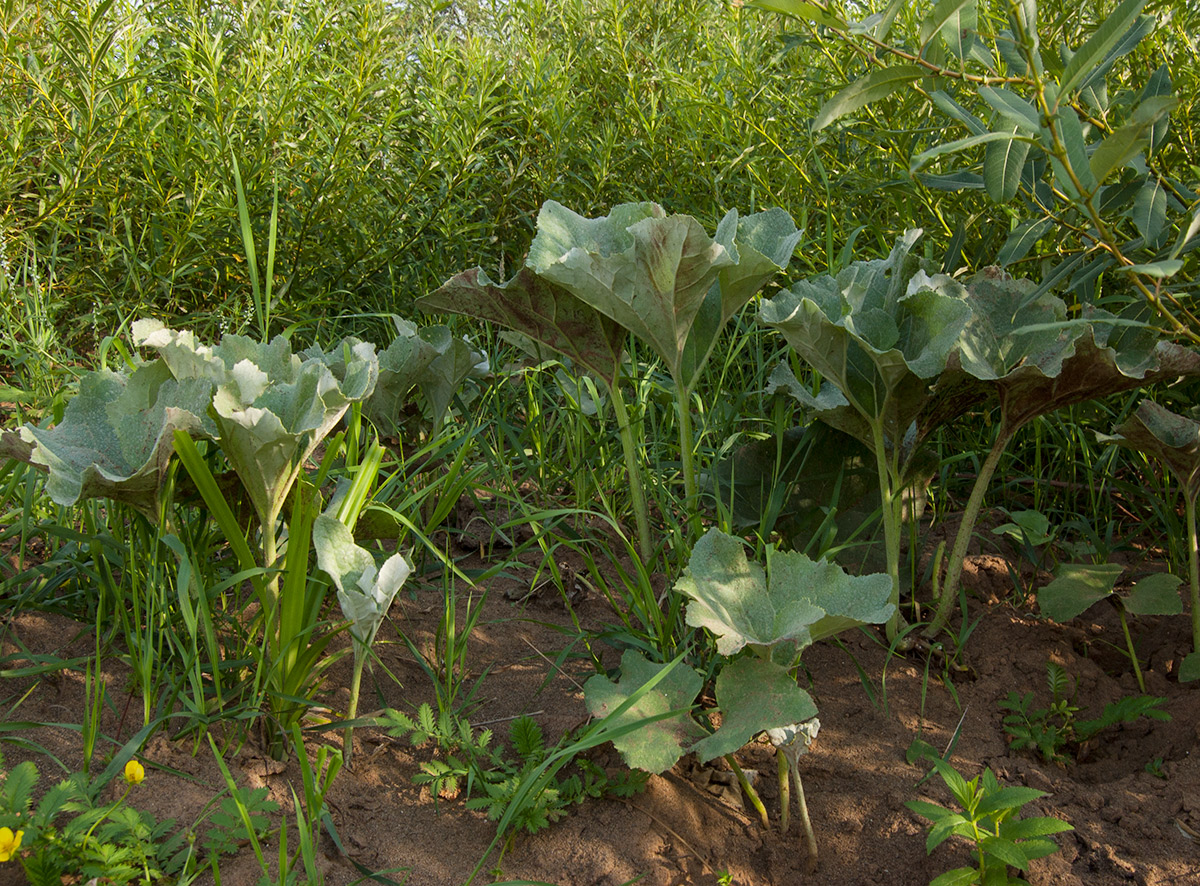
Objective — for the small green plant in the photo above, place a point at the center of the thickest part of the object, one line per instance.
(1055, 732)
(492, 780)
(71, 833)
(991, 819)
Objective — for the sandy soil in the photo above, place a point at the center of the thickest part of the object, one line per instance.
(1131, 826)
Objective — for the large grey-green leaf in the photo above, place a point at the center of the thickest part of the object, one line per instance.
(271, 408)
(1171, 437)
(753, 695)
(880, 332)
(763, 247)
(801, 600)
(403, 365)
(662, 277)
(540, 309)
(116, 437)
(364, 591)
(655, 746)
(1105, 358)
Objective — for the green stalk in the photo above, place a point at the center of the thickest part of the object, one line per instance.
(691, 495)
(748, 789)
(785, 790)
(637, 494)
(966, 529)
(809, 837)
(1137, 668)
(891, 526)
(1194, 574)
(352, 712)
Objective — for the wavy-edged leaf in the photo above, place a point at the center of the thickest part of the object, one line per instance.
(1076, 587)
(1173, 438)
(116, 438)
(799, 601)
(365, 591)
(875, 86)
(753, 695)
(1156, 594)
(654, 746)
(271, 409)
(544, 311)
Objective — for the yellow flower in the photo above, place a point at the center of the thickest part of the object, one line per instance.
(134, 772)
(9, 843)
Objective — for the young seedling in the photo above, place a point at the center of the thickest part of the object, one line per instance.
(1078, 587)
(991, 820)
(1055, 731)
(775, 614)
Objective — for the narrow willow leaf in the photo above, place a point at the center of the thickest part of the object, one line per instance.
(1070, 130)
(1012, 108)
(1159, 84)
(1150, 210)
(1021, 240)
(1003, 163)
(961, 180)
(872, 88)
(1121, 146)
(1142, 28)
(950, 18)
(1160, 270)
(954, 110)
(924, 158)
(1193, 229)
(809, 12)
(1104, 39)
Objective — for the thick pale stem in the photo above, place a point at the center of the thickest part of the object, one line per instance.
(1137, 668)
(633, 466)
(966, 529)
(691, 495)
(785, 791)
(890, 497)
(352, 711)
(748, 789)
(809, 837)
(1194, 573)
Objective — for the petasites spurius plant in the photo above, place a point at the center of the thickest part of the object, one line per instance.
(270, 408)
(116, 437)
(774, 614)
(1175, 440)
(665, 280)
(880, 334)
(1020, 349)
(587, 283)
